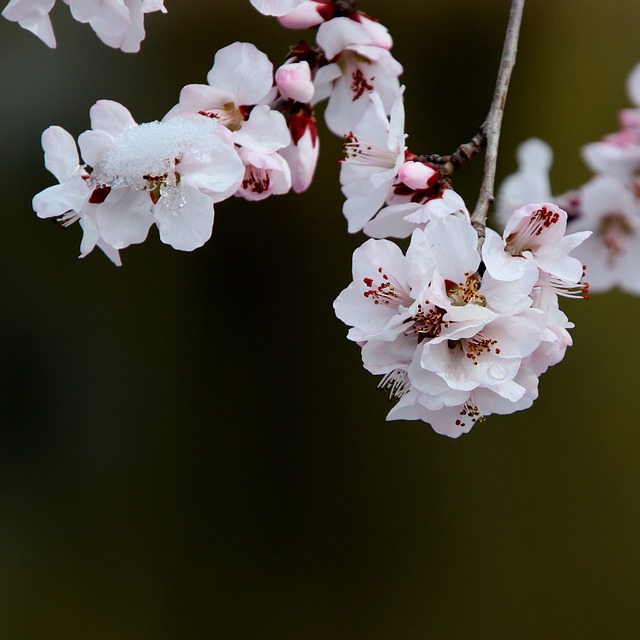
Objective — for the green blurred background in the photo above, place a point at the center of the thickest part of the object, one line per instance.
(189, 446)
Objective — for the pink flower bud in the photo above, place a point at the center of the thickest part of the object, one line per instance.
(294, 81)
(417, 175)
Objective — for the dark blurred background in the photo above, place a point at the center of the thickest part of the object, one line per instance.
(190, 447)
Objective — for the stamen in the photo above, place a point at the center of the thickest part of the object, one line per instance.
(427, 324)
(524, 239)
(359, 84)
(467, 292)
(469, 412)
(363, 152)
(395, 383)
(68, 218)
(389, 290)
(478, 345)
(570, 289)
(256, 180)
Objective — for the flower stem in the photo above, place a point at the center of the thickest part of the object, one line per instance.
(490, 128)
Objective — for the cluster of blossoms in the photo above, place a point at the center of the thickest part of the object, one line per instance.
(118, 23)
(459, 333)
(458, 327)
(608, 204)
(248, 132)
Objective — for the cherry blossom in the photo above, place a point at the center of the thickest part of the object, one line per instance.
(358, 50)
(118, 23)
(400, 220)
(612, 253)
(374, 153)
(165, 173)
(536, 233)
(241, 76)
(452, 346)
(71, 200)
(240, 82)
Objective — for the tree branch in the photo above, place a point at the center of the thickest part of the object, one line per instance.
(491, 126)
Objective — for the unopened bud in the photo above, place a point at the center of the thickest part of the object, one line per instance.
(294, 81)
(417, 175)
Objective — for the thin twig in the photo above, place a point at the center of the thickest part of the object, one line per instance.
(491, 126)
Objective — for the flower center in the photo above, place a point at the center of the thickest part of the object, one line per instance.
(478, 345)
(229, 115)
(427, 324)
(527, 237)
(255, 179)
(467, 292)
(359, 84)
(613, 229)
(388, 291)
(362, 152)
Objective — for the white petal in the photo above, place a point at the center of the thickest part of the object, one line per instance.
(60, 153)
(55, 201)
(275, 7)
(124, 218)
(110, 18)
(202, 97)
(266, 131)
(242, 70)
(32, 15)
(112, 117)
(191, 227)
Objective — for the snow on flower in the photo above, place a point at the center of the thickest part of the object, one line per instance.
(165, 173)
(118, 23)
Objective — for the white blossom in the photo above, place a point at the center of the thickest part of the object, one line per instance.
(118, 23)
